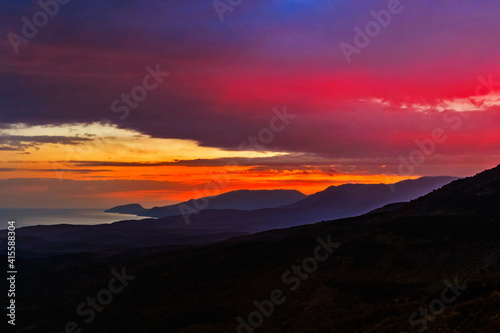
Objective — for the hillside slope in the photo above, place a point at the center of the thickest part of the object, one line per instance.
(477, 195)
(383, 271)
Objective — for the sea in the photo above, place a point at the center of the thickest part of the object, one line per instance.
(31, 217)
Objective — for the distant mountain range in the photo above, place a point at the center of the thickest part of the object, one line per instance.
(212, 225)
(333, 203)
(241, 199)
(477, 195)
(356, 199)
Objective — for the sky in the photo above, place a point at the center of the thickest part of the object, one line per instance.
(156, 102)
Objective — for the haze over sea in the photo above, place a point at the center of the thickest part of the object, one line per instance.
(29, 217)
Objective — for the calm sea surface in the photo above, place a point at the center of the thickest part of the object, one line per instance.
(28, 217)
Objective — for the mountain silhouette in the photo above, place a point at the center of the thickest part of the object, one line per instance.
(333, 203)
(356, 199)
(477, 195)
(212, 225)
(132, 209)
(240, 199)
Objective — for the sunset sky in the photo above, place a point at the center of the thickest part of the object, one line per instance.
(269, 70)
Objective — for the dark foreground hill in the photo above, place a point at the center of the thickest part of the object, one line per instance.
(381, 272)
